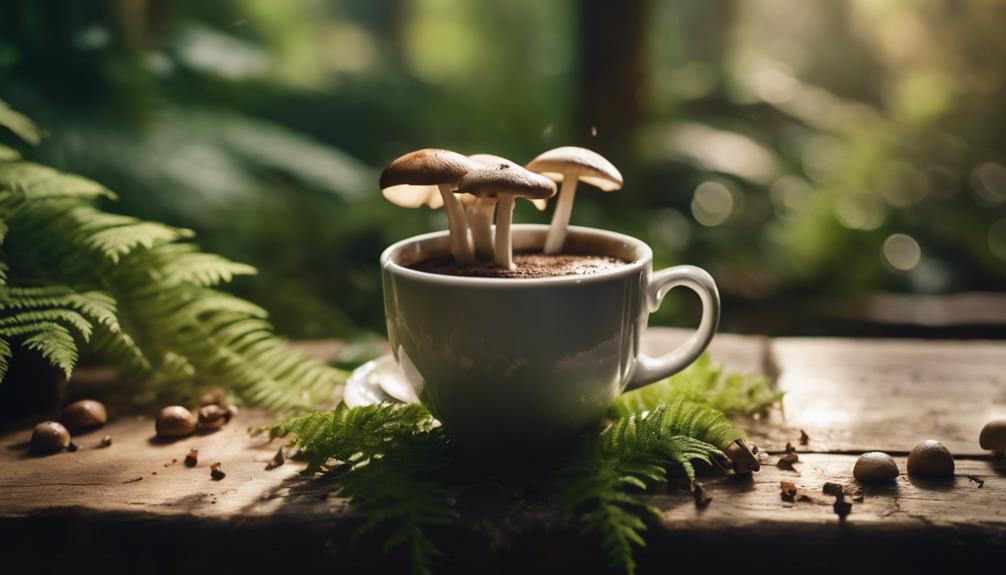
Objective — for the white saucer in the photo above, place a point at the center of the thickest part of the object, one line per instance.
(379, 380)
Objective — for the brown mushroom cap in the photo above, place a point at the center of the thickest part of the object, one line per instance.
(875, 466)
(84, 414)
(588, 166)
(930, 459)
(993, 435)
(49, 436)
(411, 180)
(507, 179)
(175, 421)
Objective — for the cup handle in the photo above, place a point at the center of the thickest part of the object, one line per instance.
(650, 369)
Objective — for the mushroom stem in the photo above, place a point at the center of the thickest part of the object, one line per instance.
(480, 218)
(504, 245)
(560, 219)
(461, 247)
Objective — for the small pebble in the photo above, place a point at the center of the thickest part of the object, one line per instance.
(105, 441)
(875, 466)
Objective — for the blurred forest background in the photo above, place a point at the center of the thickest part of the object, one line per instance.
(840, 167)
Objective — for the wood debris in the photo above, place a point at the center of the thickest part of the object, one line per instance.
(804, 438)
(276, 461)
(216, 473)
(787, 459)
(192, 458)
(698, 493)
(977, 480)
(105, 441)
(787, 491)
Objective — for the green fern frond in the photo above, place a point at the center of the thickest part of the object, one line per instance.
(50, 339)
(36, 182)
(19, 124)
(63, 316)
(5, 355)
(8, 154)
(705, 383)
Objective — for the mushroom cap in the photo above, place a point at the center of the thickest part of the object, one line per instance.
(175, 421)
(49, 436)
(411, 180)
(930, 459)
(506, 179)
(993, 435)
(84, 414)
(492, 161)
(875, 466)
(588, 166)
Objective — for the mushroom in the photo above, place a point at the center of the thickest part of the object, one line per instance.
(993, 437)
(505, 183)
(875, 466)
(175, 421)
(480, 209)
(414, 179)
(49, 436)
(212, 417)
(930, 459)
(743, 458)
(569, 165)
(84, 414)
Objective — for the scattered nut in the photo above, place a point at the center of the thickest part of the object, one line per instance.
(216, 473)
(211, 417)
(875, 466)
(930, 459)
(993, 437)
(743, 457)
(191, 459)
(49, 436)
(175, 421)
(277, 460)
(105, 441)
(84, 414)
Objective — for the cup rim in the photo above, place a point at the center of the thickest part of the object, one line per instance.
(646, 257)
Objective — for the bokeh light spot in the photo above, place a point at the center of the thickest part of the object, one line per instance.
(902, 252)
(712, 203)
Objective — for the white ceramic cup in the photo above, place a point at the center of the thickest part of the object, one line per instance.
(530, 361)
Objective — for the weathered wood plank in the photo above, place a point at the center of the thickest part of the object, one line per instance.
(888, 395)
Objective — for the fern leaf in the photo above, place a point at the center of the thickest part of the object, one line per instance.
(5, 355)
(118, 241)
(8, 154)
(51, 339)
(19, 124)
(65, 316)
(37, 182)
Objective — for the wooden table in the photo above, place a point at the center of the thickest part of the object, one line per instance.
(134, 506)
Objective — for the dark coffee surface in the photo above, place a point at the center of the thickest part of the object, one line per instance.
(527, 265)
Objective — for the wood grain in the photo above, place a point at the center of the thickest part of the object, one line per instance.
(135, 500)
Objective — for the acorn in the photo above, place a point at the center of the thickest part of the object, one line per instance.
(84, 414)
(175, 421)
(49, 436)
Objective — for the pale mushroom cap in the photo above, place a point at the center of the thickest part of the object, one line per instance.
(588, 166)
(993, 436)
(875, 466)
(930, 459)
(411, 180)
(84, 414)
(492, 161)
(513, 180)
